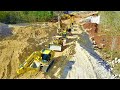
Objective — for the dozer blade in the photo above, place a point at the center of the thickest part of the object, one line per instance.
(55, 47)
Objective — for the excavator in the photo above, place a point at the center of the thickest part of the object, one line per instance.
(57, 44)
(69, 27)
(61, 25)
(38, 60)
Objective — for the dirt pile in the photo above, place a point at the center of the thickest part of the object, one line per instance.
(86, 63)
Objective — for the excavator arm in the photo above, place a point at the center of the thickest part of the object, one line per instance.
(24, 67)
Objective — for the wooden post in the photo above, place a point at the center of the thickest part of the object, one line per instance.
(59, 27)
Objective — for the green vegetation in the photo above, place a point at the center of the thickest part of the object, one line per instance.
(25, 16)
(116, 69)
(110, 21)
(110, 24)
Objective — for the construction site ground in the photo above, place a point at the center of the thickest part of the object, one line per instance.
(77, 60)
(24, 40)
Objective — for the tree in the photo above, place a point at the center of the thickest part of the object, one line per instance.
(25, 16)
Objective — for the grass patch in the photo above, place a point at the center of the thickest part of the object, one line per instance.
(110, 25)
(116, 69)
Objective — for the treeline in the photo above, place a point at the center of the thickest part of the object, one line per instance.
(13, 17)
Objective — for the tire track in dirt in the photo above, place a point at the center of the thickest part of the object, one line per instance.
(8, 70)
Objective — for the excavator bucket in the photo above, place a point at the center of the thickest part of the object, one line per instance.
(55, 47)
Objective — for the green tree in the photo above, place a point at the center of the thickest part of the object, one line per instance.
(25, 16)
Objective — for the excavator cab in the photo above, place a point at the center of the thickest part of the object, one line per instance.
(46, 56)
(47, 59)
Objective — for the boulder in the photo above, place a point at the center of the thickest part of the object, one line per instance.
(113, 63)
(118, 60)
(94, 42)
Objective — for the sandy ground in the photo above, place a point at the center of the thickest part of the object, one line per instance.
(26, 39)
(80, 61)
(16, 48)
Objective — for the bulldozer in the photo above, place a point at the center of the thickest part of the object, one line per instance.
(38, 61)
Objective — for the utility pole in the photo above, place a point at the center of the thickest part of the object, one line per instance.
(59, 20)
(59, 27)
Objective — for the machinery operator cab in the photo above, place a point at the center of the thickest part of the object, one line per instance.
(46, 55)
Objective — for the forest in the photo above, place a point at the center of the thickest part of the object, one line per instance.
(13, 17)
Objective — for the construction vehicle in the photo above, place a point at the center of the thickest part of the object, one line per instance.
(70, 26)
(63, 33)
(61, 26)
(57, 44)
(38, 60)
(65, 16)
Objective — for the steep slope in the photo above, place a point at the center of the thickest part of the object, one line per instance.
(86, 63)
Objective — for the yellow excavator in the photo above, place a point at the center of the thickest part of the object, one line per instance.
(57, 44)
(62, 26)
(70, 26)
(65, 16)
(38, 60)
